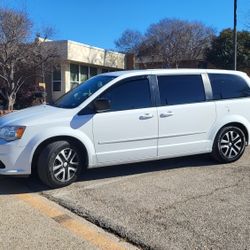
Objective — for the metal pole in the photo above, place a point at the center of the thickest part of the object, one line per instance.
(235, 34)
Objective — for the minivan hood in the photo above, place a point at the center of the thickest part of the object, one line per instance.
(36, 114)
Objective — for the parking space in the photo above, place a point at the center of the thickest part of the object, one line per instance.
(189, 202)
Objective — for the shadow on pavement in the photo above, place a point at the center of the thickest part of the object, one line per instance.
(146, 167)
(16, 185)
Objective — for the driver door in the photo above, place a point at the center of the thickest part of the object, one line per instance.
(128, 131)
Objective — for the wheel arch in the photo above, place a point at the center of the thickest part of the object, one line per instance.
(47, 141)
(236, 124)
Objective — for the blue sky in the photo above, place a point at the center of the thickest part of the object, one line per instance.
(100, 22)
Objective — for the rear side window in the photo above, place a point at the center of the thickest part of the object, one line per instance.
(181, 89)
(227, 86)
(131, 94)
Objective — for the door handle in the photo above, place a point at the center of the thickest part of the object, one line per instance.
(146, 116)
(166, 114)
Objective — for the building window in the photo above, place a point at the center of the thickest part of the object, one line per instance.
(56, 81)
(104, 70)
(80, 73)
(84, 73)
(93, 71)
(74, 72)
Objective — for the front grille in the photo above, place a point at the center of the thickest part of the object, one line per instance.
(2, 165)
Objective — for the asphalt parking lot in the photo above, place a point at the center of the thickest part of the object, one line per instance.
(183, 203)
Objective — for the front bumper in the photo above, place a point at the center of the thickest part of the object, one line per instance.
(14, 158)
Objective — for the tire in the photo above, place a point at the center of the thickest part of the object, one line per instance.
(59, 164)
(229, 144)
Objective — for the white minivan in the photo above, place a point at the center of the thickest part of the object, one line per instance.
(129, 116)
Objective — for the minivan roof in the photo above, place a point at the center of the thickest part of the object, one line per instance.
(172, 71)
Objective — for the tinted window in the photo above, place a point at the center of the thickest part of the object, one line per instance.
(228, 86)
(181, 89)
(132, 94)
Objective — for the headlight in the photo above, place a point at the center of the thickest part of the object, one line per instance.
(11, 133)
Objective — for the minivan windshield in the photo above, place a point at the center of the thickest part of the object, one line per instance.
(76, 96)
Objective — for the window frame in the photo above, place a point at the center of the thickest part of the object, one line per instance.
(205, 82)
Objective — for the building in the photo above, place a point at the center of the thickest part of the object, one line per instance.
(78, 62)
(156, 62)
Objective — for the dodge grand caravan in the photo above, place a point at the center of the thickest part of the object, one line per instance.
(129, 116)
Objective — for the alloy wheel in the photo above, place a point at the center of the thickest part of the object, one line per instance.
(231, 144)
(65, 165)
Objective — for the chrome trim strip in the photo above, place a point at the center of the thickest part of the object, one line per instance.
(181, 135)
(128, 140)
(150, 138)
(207, 86)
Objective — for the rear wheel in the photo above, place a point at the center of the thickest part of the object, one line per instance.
(229, 144)
(59, 164)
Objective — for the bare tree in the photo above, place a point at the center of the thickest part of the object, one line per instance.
(173, 41)
(22, 56)
(129, 41)
(167, 42)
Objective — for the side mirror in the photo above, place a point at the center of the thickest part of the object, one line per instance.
(102, 105)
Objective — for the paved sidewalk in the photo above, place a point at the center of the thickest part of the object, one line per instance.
(29, 221)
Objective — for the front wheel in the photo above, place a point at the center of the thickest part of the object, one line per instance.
(59, 164)
(229, 144)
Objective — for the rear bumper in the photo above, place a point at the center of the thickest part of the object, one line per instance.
(14, 159)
